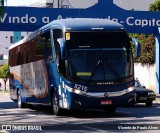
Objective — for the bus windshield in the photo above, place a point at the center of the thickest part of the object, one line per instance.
(99, 56)
(100, 64)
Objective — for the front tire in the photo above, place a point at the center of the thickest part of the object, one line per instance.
(19, 100)
(55, 107)
(149, 104)
(110, 110)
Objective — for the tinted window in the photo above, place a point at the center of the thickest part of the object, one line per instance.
(30, 51)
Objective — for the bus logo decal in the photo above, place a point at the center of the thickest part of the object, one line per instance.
(106, 94)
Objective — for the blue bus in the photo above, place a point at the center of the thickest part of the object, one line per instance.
(74, 64)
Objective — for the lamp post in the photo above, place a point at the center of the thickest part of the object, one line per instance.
(58, 3)
(53, 4)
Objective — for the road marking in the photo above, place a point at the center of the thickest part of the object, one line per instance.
(92, 128)
(30, 115)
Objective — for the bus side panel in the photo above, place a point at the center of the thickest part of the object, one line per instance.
(14, 82)
(32, 81)
(35, 82)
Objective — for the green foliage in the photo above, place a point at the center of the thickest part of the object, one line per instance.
(147, 42)
(155, 6)
(4, 73)
(147, 48)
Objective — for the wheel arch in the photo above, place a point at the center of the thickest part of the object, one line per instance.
(17, 90)
(52, 91)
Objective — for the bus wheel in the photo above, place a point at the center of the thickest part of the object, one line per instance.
(19, 100)
(110, 110)
(55, 107)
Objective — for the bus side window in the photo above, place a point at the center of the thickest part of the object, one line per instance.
(48, 48)
(18, 53)
(18, 58)
(35, 49)
(12, 58)
(40, 45)
(60, 63)
(24, 53)
(47, 44)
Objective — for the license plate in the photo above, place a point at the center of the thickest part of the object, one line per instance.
(143, 98)
(106, 102)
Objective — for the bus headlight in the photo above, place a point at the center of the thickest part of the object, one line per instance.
(130, 89)
(76, 91)
(80, 92)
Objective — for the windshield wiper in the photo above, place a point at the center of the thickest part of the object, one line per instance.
(114, 71)
(94, 70)
(100, 61)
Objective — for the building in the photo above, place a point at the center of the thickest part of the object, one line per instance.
(65, 3)
(142, 5)
(7, 39)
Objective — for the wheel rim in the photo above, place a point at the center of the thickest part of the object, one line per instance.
(55, 105)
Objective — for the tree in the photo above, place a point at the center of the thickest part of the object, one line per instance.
(155, 6)
(147, 48)
(4, 74)
(147, 41)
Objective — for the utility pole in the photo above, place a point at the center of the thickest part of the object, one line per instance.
(53, 4)
(58, 4)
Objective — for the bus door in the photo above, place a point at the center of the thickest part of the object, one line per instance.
(59, 69)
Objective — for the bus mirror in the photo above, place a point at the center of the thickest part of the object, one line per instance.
(137, 47)
(62, 48)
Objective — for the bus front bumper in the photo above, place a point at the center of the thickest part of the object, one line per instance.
(101, 101)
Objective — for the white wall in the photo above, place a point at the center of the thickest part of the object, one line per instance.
(146, 75)
(5, 41)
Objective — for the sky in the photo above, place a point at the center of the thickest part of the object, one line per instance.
(20, 2)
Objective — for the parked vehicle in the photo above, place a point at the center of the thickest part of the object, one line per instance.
(143, 95)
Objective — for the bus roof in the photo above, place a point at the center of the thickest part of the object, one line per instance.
(86, 24)
(76, 24)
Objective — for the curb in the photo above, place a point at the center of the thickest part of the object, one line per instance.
(4, 93)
